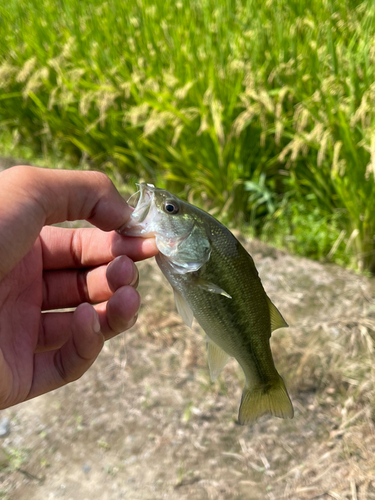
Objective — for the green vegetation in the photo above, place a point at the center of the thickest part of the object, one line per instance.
(262, 111)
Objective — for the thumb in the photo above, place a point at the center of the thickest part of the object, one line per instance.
(32, 197)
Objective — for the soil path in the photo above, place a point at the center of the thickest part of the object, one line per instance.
(146, 422)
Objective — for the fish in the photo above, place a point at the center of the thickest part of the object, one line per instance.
(215, 281)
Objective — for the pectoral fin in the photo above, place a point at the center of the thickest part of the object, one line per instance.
(277, 321)
(217, 358)
(210, 287)
(183, 308)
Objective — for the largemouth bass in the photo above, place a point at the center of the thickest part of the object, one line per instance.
(215, 280)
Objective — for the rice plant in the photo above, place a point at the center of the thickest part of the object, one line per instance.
(208, 98)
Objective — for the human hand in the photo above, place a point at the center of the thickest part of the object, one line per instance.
(44, 268)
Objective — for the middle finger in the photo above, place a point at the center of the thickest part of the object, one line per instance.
(69, 288)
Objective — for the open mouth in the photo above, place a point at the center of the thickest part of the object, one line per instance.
(134, 199)
(141, 221)
(141, 201)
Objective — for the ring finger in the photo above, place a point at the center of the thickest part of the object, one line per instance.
(116, 315)
(69, 288)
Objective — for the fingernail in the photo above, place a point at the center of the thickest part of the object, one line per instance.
(135, 279)
(96, 324)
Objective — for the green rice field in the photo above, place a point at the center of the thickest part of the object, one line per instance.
(260, 111)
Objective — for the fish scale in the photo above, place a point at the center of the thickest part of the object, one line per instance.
(244, 314)
(215, 280)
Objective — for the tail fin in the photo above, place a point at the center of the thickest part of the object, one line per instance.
(257, 401)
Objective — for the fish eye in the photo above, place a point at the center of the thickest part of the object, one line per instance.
(171, 207)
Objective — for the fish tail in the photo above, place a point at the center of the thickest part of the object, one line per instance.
(260, 400)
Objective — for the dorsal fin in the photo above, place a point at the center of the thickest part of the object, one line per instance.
(277, 321)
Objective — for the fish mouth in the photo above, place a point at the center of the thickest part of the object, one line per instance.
(141, 202)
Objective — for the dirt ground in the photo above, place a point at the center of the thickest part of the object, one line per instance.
(146, 422)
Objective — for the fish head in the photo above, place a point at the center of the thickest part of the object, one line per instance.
(179, 234)
(157, 213)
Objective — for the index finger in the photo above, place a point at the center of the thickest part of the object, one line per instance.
(58, 195)
(31, 198)
(65, 248)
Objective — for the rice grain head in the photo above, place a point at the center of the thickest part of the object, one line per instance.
(7, 71)
(36, 81)
(335, 161)
(370, 169)
(26, 70)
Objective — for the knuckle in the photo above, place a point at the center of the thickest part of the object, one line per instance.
(76, 248)
(20, 169)
(23, 172)
(103, 180)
